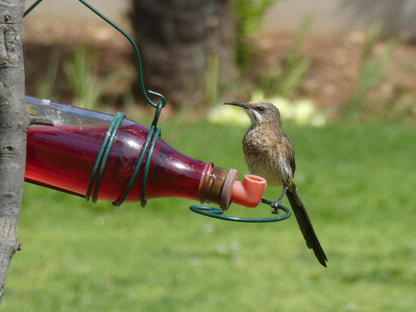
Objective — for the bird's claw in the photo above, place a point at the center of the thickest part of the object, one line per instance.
(275, 206)
(276, 203)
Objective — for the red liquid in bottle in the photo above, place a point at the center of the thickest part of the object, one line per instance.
(63, 157)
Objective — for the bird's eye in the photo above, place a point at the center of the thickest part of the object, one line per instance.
(261, 108)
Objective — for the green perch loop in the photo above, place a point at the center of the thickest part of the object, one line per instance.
(219, 213)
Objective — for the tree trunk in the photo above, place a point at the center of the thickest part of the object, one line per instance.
(180, 40)
(13, 127)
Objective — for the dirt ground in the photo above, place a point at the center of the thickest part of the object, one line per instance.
(329, 83)
(337, 61)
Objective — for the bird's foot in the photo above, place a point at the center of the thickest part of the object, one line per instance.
(275, 206)
(276, 203)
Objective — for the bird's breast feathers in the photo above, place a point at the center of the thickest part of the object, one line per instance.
(263, 158)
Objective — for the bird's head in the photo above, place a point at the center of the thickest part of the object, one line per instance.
(259, 112)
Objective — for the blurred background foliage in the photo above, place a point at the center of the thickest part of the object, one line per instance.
(219, 50)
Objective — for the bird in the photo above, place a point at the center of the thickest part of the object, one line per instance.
(269, 153)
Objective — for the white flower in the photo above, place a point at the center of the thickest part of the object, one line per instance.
(224, 114)
(302, 112)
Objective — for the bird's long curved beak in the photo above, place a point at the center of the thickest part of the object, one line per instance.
(241, 104)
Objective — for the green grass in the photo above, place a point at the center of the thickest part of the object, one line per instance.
(356, 180)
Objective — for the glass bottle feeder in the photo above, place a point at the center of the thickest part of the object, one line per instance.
(64, 144)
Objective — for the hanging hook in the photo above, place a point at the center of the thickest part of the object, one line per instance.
(145, 92)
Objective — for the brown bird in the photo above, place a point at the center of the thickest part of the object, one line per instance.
(269, 153)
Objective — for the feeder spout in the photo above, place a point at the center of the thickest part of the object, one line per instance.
(249, 192)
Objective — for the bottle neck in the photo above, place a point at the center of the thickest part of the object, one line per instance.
(216, 186)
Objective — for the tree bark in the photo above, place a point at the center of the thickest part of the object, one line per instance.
(177, 38)
(13, 127)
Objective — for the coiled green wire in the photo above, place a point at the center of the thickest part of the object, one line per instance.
(102, 156)
(147, 149)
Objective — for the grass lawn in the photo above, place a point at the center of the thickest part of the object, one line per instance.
(357, 182)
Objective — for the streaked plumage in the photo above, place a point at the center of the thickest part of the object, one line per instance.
(269, 153)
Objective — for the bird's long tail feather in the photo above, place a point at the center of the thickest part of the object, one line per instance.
(305, 224)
